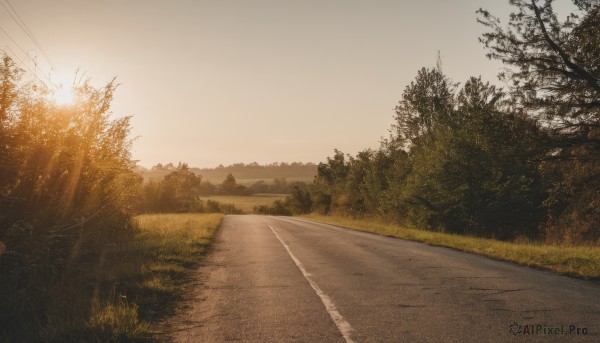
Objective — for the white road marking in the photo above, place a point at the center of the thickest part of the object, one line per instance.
(337, 318)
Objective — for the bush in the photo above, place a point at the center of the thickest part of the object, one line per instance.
(279, 208)
(66, 187)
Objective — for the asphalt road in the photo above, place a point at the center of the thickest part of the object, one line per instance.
(277, 279)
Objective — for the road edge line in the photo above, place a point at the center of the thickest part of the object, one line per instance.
(343, 326)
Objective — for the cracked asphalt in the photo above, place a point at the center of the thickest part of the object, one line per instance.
(380, 289)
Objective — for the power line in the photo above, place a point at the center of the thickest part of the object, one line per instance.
(23, 26)
(27, 31)
(12, 40)
(36, 67)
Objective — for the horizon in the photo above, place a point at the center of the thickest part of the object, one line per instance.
(175, 164)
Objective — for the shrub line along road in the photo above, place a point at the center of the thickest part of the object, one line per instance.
(279, 279)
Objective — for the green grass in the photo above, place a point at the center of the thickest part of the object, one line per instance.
(578, 261)
(245, 203)
(127, 286)
(172, 245)
(154, 268)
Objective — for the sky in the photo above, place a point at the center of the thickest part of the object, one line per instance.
(222, 82)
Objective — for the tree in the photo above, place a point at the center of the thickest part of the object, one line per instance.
(328, 189)
(299, 201)
(554, 76)
(555, 72)
(229, 184)
(231, 187)
(180, 190)
(279, 185)
(477, 174)
(358, 170)
(385, 182)
(66, 189)
(259, 187)
(426, 102)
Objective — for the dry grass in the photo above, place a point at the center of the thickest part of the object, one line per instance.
(134, 284)
(167, 246)
(245, 203)
(173, 243)
(578, 261)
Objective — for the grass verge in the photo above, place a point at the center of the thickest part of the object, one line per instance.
(172, 244)
(578, 261)
(114, 291)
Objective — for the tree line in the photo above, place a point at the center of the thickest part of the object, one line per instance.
(251, 171)
(181, 191)
(476, 159)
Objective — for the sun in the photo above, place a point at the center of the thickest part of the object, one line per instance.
(63, 96)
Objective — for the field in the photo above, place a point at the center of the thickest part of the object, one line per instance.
(246, 203)
(250, 182)
(577, 261)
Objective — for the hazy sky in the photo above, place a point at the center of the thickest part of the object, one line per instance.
(219, 82)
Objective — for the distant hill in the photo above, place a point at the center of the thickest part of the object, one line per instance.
(244, 173)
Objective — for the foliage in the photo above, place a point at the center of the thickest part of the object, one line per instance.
(426, 103)
(329, 183)
(278, 208)
(177, 192)
(556, 68)
(180, 191)
(554, 76)
(573, 201)
(460, 161)
(231, 187)
(66, 187)
(299, 202)
(477, 173)
(277, 186)
(475, 159)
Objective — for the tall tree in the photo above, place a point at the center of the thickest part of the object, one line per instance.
(554, 75)
(426, 103)
(555, 66)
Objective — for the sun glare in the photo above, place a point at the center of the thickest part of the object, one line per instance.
(63, 96)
